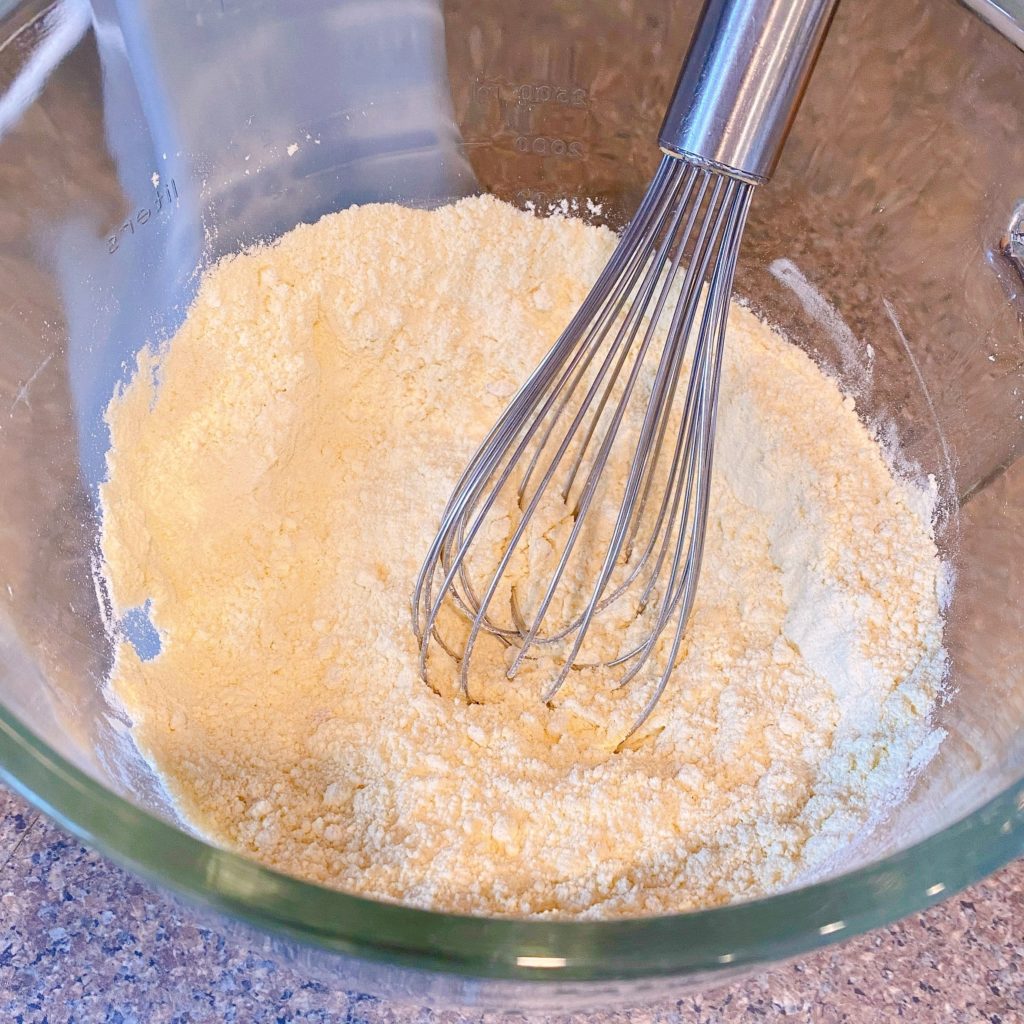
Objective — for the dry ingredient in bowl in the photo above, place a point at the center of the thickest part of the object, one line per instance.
(276, 473)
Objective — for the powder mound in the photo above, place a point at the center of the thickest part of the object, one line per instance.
(272, 496)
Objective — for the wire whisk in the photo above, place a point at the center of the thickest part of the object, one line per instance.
(576, 534)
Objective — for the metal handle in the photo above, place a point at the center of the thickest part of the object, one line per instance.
(742, 81)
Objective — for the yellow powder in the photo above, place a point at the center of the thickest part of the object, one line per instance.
(275, 478)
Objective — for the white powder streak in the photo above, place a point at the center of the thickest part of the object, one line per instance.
(855, 368)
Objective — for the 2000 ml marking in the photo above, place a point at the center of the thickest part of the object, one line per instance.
(166, 198)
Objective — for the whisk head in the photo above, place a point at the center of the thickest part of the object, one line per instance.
(576, 533)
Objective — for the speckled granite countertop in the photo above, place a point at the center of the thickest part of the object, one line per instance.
(82, 942)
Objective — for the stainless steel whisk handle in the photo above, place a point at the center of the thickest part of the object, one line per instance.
(742, 81)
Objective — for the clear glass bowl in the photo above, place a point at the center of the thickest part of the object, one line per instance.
(141, 139)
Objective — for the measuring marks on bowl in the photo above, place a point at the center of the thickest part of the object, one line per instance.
(537, 118)
(534, 133)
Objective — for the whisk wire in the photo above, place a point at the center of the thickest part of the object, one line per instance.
(624, 288)
(629, 251)
(569, 420)
(658, 409)
(682, 456)
(712, 333)
(627, 334)
(595, 336)
(490, 453)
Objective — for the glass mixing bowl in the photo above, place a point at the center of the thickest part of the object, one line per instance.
(139, 139)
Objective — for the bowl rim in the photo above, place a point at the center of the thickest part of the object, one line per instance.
(750, 933)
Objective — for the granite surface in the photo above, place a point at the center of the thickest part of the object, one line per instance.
(83, 942)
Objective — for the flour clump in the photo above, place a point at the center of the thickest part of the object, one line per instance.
(276, 473)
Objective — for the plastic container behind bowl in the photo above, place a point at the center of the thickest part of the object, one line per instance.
(138, 141)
